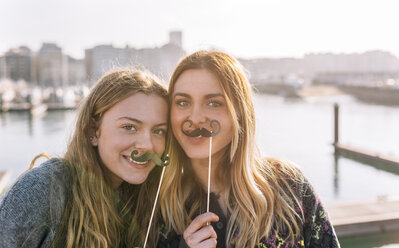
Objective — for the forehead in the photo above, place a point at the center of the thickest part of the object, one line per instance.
(140, 106)
(197, 81)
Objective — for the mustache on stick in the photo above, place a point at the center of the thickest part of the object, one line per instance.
(160, 161)
(201, 131)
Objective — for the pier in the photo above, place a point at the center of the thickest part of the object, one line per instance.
(37, 110)
(362, 218)
(367, 217)
(359, 154)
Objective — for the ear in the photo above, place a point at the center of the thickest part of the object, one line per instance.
(94, 133)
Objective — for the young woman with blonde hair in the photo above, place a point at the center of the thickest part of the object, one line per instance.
(96, 195)
(254, 202)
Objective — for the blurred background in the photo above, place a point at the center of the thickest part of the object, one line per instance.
(301, 56)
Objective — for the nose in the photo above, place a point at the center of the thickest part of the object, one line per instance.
(144, 142)
(197, 115)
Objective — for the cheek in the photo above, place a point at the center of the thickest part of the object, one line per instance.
(229, 134)
(175, 121)
(159, 145)
(114, 140)
(228, 130)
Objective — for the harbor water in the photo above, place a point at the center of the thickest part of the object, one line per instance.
(297, 130)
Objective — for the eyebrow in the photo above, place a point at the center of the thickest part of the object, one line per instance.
(160, 124)
(206, 96)
(182, 95)
(130, 119)
(140, 122)
(214, 95)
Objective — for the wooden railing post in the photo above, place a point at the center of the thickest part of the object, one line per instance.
(336, 124)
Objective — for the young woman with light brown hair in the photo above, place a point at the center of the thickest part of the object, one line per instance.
(254, 202)
(96, 195)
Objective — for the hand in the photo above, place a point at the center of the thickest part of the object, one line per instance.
(199, 234)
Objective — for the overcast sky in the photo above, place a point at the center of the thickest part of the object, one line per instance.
(250, 28)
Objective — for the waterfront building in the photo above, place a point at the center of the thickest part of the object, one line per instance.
(176, 38)
(272, 70)
(52, 66)
(159, 60)
(368, 62)
(2, 66)
(367, 68)
(102, 58)
(76, 71)
(18, 64)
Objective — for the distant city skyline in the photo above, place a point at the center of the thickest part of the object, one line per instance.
(50, 66)
(258, 28)
(17, 47)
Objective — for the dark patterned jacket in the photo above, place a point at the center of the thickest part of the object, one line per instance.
(317, 230)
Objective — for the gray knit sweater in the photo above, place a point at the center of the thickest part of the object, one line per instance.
(32, 208)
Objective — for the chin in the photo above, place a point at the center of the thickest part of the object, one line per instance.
(194, 155)
(136, 180)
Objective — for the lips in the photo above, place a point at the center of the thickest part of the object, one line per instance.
(196, 140)
(137, 162)
(138, 165)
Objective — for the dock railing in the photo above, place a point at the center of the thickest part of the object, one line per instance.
(360, 154)
(367, 217)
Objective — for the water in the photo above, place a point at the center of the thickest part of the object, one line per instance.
(301, 131)
(22, 138)
(385, 240)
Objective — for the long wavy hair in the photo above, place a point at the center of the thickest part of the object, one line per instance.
(258, 193)
(95, 214)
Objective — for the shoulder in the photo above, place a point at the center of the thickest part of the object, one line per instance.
(317, 229)
(41, 177)
(289, 176)
(32, 207)
(34, 188)
(284, 170)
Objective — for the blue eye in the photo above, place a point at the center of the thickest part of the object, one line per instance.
(182, 103)
(214, 104)
(159, 132)
(129, 127)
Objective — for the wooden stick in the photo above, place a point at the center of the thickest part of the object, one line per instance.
(153, 208)
(209, 173)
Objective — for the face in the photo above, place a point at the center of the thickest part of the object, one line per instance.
(198, 97)
(136, 123)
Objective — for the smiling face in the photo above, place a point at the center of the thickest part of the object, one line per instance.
(135, 123)
(198, 97)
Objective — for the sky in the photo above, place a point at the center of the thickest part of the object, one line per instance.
(245, 29)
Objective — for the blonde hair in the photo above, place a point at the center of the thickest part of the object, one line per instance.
(95, 214)
(258, 193)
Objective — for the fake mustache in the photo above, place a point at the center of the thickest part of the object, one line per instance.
(160, 161)
(202, 131)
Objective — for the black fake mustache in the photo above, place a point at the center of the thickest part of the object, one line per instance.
(202, 131)
(160, 161)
